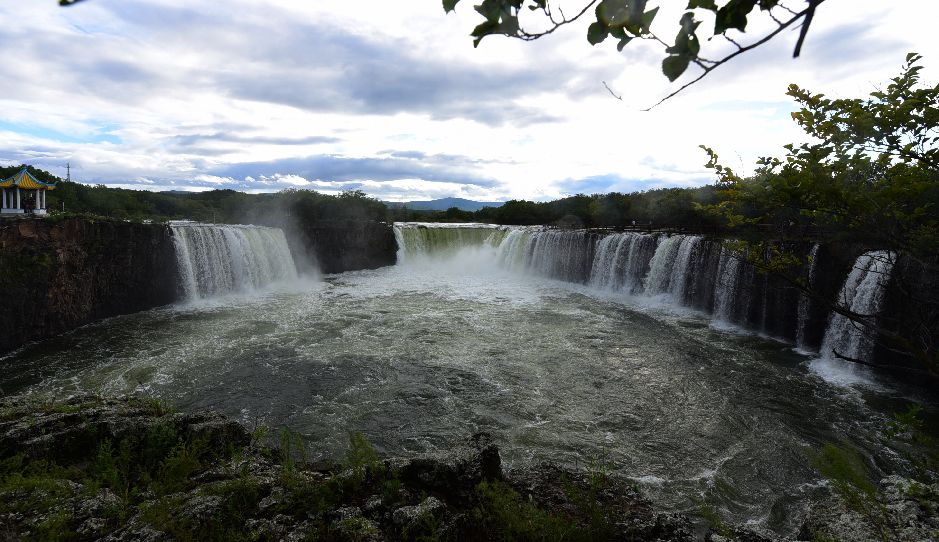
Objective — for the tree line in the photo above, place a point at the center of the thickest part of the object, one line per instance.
(653, 208)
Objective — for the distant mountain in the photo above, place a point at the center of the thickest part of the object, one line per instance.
(444, 203)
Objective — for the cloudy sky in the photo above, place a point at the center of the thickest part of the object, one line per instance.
(391, 98)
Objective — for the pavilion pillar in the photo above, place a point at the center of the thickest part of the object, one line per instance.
(18, 205)
(38, 199)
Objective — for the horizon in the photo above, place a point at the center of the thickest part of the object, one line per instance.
(399, 104)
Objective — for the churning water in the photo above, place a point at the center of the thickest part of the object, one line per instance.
(478, 338)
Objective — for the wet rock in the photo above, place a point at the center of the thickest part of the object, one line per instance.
(903, 510)
(738, 534)
(581, 495)
(92, 527)
(136, 531)
(201, 508)
(103, 503)
(459, 471)
(71, 430)
(411, 519)
(351, 524)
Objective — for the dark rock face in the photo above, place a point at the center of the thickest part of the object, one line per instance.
(910, 311)
(336, 247)
(56, 276)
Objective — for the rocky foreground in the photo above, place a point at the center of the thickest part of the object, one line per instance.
(125, 469)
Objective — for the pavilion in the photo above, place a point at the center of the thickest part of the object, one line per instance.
(23, 194)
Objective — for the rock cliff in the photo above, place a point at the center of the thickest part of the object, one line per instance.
(56, 276)
(337, 247)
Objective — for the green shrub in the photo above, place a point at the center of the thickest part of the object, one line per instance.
(502, 514)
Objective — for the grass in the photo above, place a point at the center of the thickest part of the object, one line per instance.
(502, 514)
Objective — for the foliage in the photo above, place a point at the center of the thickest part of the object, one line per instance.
(503, 513)
(663, 207)
(307, 210)
(845, 470)
(869, 177)
(909, 438)
(289, 208)
(629, 20)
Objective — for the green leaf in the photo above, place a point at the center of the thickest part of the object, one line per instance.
(733, 15)
(674, 66)
(703, 4)
(449, 5)
(597, 32)
(509, 25)
(647, 19)
(490, 9)
(686, 42)
(622, 43)
(618, 32)
(484, 29)
(613, 12)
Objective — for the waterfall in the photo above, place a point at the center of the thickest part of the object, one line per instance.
(693, 270)
(639, 260)
(511, 252)
(611, 260)
(663, 260)
(732, 291)
(421, 240)
(683, 268)
(215, 259)
(805, 303)
(562, 255)
(862, 294)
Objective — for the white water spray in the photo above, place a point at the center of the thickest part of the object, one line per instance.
(218, 258)
(862, 294)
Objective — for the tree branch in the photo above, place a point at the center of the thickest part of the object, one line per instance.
(525, 36)
(810, 13)
(620, 97)
(741, 50)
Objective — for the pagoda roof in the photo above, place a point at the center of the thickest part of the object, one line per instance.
(26, 180)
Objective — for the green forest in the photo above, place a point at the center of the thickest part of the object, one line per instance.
(681, 207)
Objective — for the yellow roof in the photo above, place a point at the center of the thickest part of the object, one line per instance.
(24, 179)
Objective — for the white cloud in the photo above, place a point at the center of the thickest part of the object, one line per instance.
(391, 97)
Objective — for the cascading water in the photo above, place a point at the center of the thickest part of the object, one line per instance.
(682, 267)
(511, 252)
(562, 255)
(805, 303)
(621, 261)
(217, 258)
(731, 295)
(419, 239)
(663, 261)
(639, 261)
(610, 263)
(692, 270)
(862, 294)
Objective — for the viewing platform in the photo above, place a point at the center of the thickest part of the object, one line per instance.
(24, 194)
